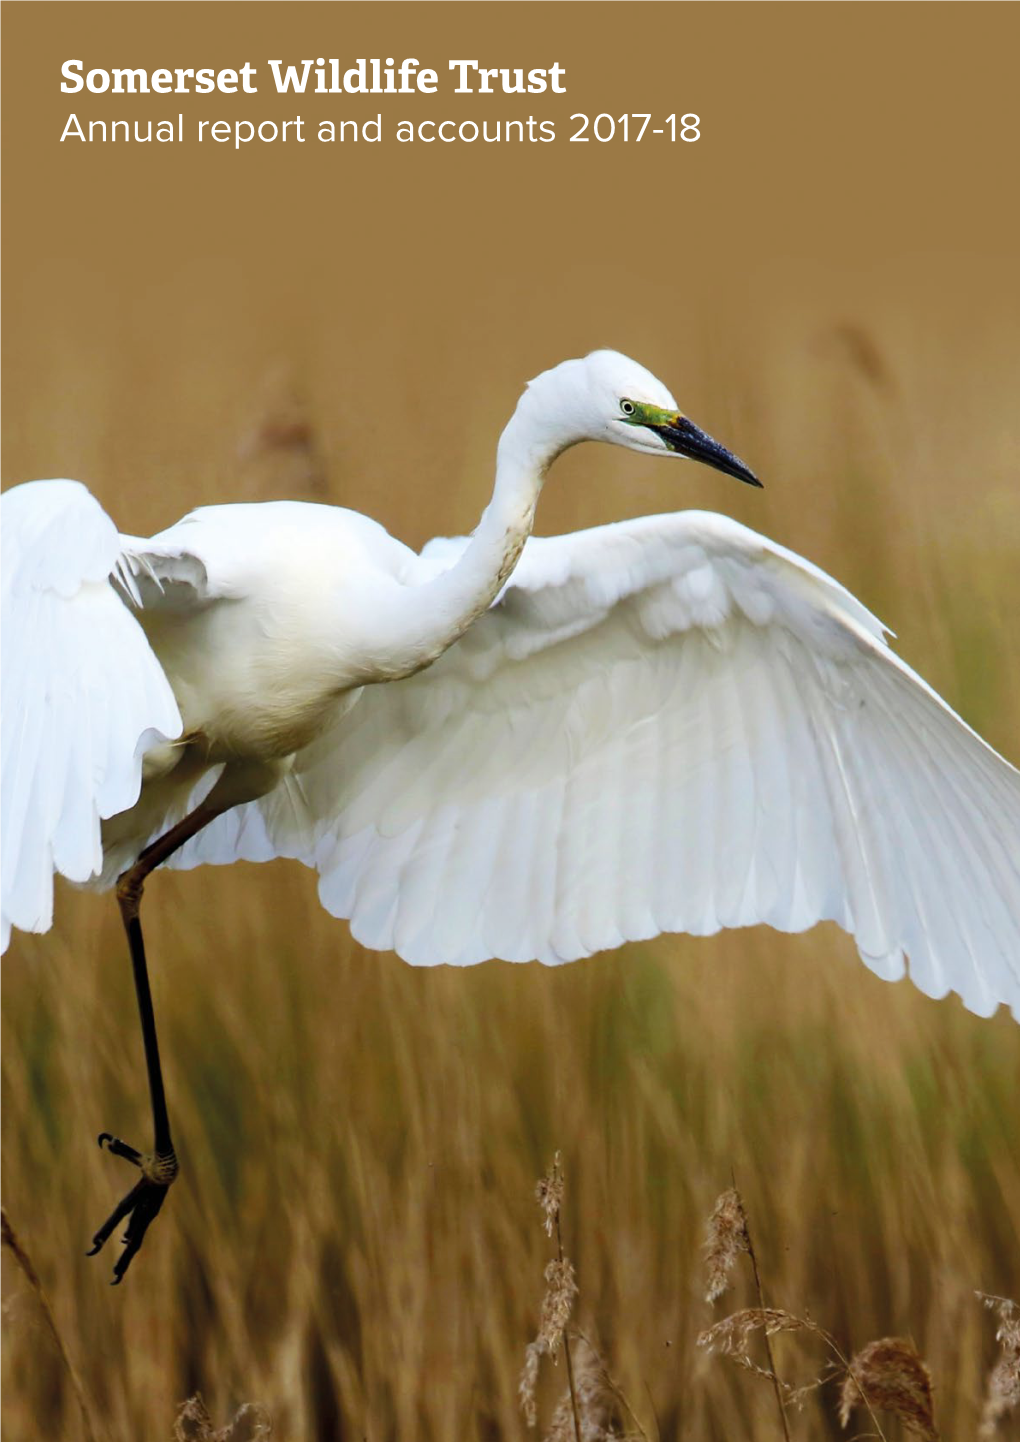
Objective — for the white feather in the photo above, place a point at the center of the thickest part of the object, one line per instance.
(81, 690)
(735, 748)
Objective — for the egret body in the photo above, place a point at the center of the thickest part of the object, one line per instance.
(501, 747)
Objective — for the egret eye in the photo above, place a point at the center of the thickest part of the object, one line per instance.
(628, 407)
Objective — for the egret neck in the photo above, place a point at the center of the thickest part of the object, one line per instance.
(446, 606)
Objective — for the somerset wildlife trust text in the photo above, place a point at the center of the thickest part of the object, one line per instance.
(318, 77)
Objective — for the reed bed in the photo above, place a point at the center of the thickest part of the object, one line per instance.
(353, 1242)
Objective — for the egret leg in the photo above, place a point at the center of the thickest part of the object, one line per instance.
(158, 1167)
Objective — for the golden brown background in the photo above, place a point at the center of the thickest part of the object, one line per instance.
(828, 282)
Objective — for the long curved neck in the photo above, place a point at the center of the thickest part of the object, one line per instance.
(446, 605)
(469, 587)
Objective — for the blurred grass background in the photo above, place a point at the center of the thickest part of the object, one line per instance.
(353, 1241)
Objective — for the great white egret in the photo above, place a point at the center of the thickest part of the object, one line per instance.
(668, 724)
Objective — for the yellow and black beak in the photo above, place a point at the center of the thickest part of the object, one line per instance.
(686, 439)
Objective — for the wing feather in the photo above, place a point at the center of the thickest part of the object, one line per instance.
(82, 694)
(667, 725)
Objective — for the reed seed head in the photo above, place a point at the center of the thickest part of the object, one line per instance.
(528, 1384)
(731, 1335)
(561, 1289)
(597, 1405)
(549, 1193)
(193, 1423)
(557, 1304)
(1002, 1393)
(250, 1423)
(889, 1376)
(727, 1238)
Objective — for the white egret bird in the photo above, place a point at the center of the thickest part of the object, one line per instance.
(668, 724)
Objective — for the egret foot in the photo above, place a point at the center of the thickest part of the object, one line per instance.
(140, 1205)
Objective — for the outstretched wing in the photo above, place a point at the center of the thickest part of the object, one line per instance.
(83, 694)
(665, 725)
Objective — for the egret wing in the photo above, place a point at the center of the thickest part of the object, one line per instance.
(669, 724)
(83, 694)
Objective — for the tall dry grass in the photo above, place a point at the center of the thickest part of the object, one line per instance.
(352, 1243)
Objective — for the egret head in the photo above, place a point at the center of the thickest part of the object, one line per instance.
(605, 396)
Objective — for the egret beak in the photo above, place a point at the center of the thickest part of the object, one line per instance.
(685, 438)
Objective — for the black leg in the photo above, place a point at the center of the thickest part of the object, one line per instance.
(158, 1167)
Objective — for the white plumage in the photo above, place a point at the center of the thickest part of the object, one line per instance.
(82, 694)
(669, 724)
